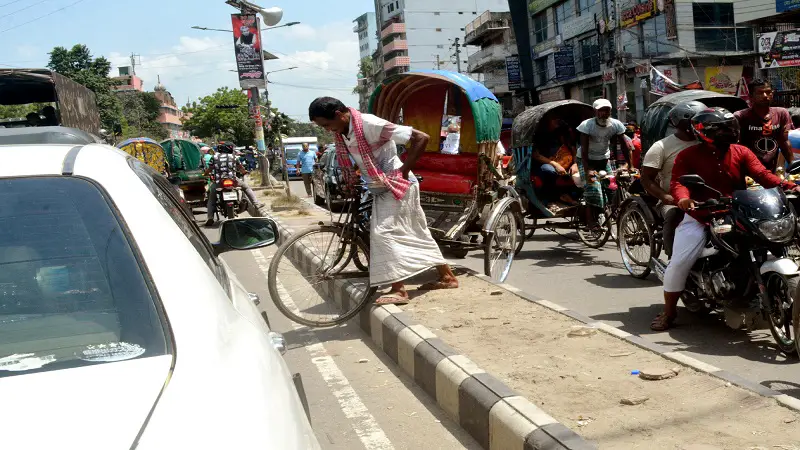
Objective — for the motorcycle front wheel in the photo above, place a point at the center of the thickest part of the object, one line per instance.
(781, 291)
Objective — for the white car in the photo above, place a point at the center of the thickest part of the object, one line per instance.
(120, 327)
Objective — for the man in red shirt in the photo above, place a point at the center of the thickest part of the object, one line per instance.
(723, 165)
(764, 129)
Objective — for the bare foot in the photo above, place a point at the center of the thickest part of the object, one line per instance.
(443, 283)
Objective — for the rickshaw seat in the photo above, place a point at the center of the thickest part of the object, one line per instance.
(447, 174)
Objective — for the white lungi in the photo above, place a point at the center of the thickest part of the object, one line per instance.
(690, 240)
(401, 244)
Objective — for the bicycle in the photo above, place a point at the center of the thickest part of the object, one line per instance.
(596, 237)
(318, 259)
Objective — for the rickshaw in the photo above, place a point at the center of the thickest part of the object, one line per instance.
(529, 187)
(460, 193)
(147, 151)
(186, 169)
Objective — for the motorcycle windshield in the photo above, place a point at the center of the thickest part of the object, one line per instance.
(761, 204)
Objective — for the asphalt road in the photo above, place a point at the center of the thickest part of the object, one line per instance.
(595, 283)
(372, 404)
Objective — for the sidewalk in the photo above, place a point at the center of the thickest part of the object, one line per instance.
(581, 375)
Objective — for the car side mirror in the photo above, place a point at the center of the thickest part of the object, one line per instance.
(246, 234)
(692, 180)
(794, 168)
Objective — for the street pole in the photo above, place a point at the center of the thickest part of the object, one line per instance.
(458, 56)
(280, 138)
(619, 61)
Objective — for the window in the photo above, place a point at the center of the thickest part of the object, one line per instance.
(540, 27)
(590, 55)
(655, 31)
(564, 12)
(164, 192)
(72, 292)
(540, 71)
(585, 6)
(715, 29)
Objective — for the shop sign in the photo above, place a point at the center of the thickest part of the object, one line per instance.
(542, 47)
(513, 72)
(564, 60)
(578, 25)
(609, 75)
(638, 13)
(779, 49)
(552, 94)
(669, 18)
(669, 71)
(786, 5)
(723, 79)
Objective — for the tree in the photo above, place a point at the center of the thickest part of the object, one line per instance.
(278, 124)
(78, 64)
(302, 129)
(366, 84)
(141, 111)
(224, 114)
(19, 111)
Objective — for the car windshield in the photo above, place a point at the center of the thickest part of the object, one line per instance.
(292, 151)
(72, 293)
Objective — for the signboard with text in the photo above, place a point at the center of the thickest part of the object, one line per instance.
(786, 5)
(564, 60)
(779, 49)
(637, 13)
(247, 47)
(513, 72)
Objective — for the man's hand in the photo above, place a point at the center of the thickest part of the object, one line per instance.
(559, 170)
(686, 204)
(668, 200)
(405, 170)
(591, 174)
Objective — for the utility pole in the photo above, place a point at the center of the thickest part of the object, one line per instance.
(438, 63)
(133, 62)
(619, 61)
(457, 54)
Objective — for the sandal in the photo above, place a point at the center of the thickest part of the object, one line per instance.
(436, 285)
(662, 322)
(392, 298)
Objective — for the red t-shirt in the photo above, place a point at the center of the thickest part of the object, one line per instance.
(723, 173)
(764, 136)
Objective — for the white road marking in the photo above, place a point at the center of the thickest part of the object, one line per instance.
(363, 422)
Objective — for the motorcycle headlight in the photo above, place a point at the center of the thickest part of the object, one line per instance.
(779, 230)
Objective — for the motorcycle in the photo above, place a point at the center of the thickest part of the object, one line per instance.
(735, 272)
(231, 200)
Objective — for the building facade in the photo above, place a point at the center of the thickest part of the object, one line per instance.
(367, 32)
(585, 49)
(128, 81)
(491, 34)
(170, 115)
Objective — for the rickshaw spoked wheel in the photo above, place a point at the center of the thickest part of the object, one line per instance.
(635, 241)
(595, 237)
(530, 226)
(522, 233)
(501, 244)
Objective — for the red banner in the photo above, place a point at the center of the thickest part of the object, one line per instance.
(247, 46)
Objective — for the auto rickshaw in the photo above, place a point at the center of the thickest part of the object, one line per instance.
(147, 151)
(460, 191)
(186, 169)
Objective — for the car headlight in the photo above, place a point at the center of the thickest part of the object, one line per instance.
(779, 230)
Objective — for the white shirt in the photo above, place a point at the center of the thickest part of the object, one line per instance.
(661, 156)
(600, 137)
(385, 156)
(451, 144)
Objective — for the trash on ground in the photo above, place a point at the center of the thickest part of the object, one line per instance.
(498, 292)
(363, 360)
(619, 355)
(579, 331)
(634, 400)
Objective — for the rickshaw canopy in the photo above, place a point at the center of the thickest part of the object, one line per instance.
(526, 124)
(420, 96)
(656, 116)
(145, 150)
(182, 154)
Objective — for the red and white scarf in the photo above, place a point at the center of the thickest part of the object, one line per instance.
(394, 180)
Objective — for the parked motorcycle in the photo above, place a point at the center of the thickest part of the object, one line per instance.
(231, 200)
(744, 269)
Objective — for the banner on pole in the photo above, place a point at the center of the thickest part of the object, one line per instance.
(247, 47)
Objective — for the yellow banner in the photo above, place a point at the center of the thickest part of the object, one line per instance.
(723, 79)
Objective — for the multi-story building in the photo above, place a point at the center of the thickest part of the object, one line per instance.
(492, 34)
(128, 81)
(427, 34)
(579, 49)
(367, 32)
(170, 116)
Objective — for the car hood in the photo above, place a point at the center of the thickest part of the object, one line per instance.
(102, 406)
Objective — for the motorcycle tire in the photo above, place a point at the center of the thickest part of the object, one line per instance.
(780, 322)
(230, 211)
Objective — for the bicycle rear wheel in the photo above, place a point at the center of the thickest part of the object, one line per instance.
(306, 280)
(596, 236)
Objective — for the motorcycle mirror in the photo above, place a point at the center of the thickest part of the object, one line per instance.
(692, 180)
(794, 167)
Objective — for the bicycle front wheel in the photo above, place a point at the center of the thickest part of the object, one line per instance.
(306, 279)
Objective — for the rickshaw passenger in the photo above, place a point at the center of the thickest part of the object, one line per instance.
(597, 136)
(658, 163)
(554, 156)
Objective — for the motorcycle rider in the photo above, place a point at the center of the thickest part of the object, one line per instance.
(659, 161)
(224, 165)
(723, 165)
(765, 128)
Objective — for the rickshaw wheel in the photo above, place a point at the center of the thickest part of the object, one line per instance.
(530, 226)
(457, 253)
(634, 231)
(521, 231)
(500, 248)
(592, 238)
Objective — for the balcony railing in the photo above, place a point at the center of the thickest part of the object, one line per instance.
(487, 25)
(395, 45)
(394, 28)
(397, 61)
(495, 54)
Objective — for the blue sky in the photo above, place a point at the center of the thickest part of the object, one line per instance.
(193, 63)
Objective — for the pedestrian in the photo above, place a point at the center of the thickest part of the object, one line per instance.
(765, 128)
(401, 245)
(305, 162)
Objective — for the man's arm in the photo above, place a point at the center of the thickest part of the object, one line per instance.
(414, 149)
(783, 140)
(680, 192)
(649, 175)
(585, 150)
(759, 173)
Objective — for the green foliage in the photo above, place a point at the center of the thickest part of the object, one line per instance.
(208, 121)
(78, 64)
(141, 111)
(19, 111)
(303, 129)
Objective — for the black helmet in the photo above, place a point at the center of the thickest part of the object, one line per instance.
(716, 126)
(684, 111)
(225, 148)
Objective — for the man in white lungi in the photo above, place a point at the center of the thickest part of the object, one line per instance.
(401, 245)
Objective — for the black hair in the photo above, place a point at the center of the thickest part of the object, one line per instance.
(756, 83)
(326, 108)
(795, 114)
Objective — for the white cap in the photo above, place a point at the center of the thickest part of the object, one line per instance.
(601, 103)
